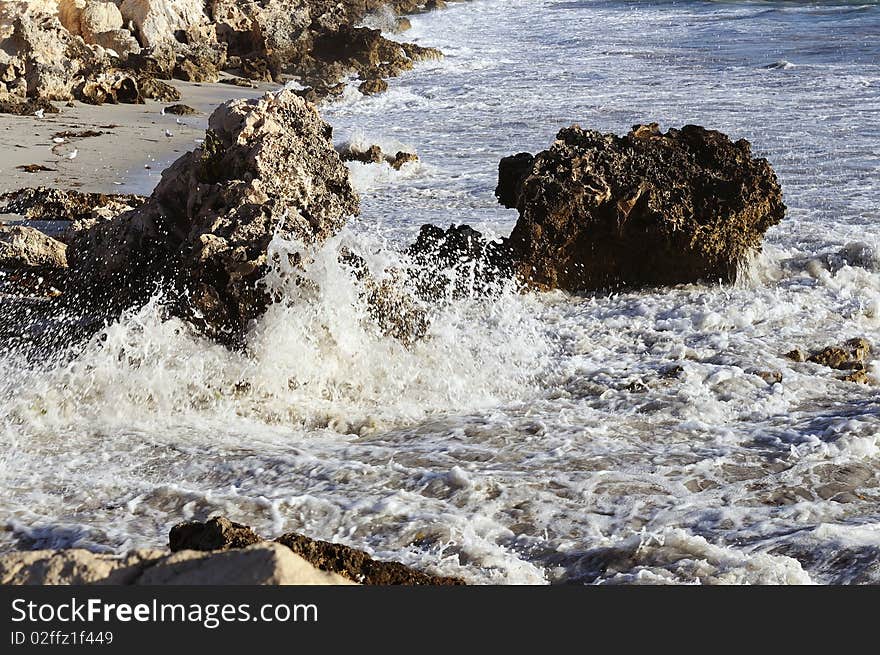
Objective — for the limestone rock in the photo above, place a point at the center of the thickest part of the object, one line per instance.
(119, 41)
(599, 211)
(267, 164)
(261, 564)
(98, 17)
(73, 567)
(54, 59)
(160, 21)
(26, 247)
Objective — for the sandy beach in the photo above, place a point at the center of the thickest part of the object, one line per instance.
(127, 157)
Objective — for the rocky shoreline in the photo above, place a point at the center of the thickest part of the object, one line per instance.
(596, 212)
(217, 551)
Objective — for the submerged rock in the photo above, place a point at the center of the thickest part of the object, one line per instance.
(599, 211)
(267, 167)
(851, 355)
(373, 155)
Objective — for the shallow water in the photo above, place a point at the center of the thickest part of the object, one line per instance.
(537, 438)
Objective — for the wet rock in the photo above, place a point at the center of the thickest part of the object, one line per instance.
(365, 51)
(397, 162)
(853, 354)
(599, 211)
(218, 533)
(796, 355)
(49, 204)
(28, 248)
(267, 165)
(356, 565)
(770, 377)
(859, 377)
(371, 155)
(372, 87)
(180, 110)
(457, 261)
(512, 171)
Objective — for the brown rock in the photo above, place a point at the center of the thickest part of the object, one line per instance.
(796, 355)
(25, 106)
(157, 90)
(219, 533)
(48, 204)
(599, 211)
(401, 158)
(180, 110)
(851, 355)
(372, 87)
(372, 155)
(267, 164)
(512, 171)
(356, 565)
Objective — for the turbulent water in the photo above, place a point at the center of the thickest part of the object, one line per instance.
(531, 438)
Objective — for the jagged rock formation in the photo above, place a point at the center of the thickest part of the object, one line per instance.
(266, 166)
(599, 211)
(219, 533)
(112, 51)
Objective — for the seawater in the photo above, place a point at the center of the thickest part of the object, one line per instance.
(530, 438)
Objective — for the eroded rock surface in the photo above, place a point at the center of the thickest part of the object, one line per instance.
(23, 247)
(219, 533)
(267, 166)
(600, 211)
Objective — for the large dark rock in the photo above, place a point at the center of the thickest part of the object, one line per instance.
(456, 262)
(512, 171)
(600, 211)
(267, 165)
